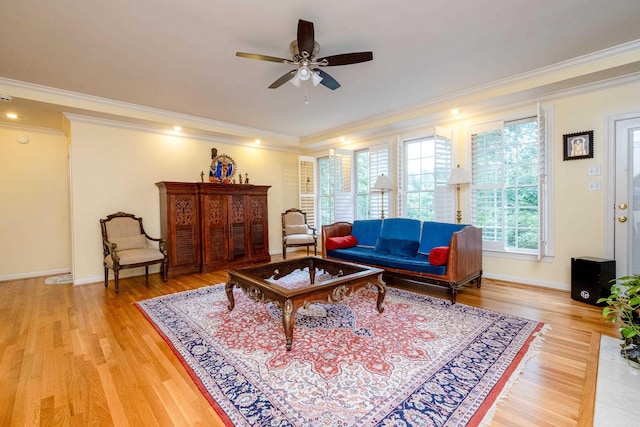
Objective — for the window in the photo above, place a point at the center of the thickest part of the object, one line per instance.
(306, 188)
(427, 195)
(363, 200)
(335, 197)
(336, 200)
(509, 185)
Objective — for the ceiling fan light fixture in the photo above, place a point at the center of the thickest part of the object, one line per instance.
(303, 73)
(316, 78)
(295, 81)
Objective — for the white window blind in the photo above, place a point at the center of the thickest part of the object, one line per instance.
(378, 164)
(510, 184)
(307, 190)
(335, 195)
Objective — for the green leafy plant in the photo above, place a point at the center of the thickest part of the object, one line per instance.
(623, 306)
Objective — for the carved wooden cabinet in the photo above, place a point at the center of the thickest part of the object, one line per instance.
(213, 226)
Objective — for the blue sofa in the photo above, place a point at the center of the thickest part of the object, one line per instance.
(436, 253)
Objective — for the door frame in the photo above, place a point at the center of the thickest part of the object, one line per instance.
(610, 196)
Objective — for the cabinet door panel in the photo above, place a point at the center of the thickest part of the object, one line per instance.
(239, 227)
(214, 231)
(259, 224)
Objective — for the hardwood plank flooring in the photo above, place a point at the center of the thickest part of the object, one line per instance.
(80, 355)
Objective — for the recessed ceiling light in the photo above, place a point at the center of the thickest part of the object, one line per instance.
(12, 116)
(177, 128)
(455, 111)
(258, 142)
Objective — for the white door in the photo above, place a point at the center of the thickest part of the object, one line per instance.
(627, 197)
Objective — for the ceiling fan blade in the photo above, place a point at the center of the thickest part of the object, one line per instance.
(261, 57)
(305, 37)
(327, 80)
(347, 58)
(282, 80)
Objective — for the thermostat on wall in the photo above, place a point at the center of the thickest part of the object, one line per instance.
(23, 139)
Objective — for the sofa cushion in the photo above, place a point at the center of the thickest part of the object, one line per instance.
(439, 255)
(397, 247)
(383, 246)
(436, 234)
(358, 254)
(404, 248)
(341, 242)
(401, 228)
(366, 231)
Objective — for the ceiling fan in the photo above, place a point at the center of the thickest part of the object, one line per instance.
(304, 51)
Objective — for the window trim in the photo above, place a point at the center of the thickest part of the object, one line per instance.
(547, 204)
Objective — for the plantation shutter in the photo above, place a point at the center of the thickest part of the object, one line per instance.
(542, 182)
(341, 161)
(400, 179)
(378, 164)
(307, 190)
(487, 176)
(443, 192)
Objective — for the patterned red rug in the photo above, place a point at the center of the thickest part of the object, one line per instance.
(422, 362)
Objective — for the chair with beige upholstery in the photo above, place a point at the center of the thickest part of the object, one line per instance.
(126, 245)
(296, 232)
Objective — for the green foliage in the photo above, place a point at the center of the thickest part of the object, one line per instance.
(623, 305)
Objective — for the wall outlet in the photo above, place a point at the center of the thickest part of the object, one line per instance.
(594, 185)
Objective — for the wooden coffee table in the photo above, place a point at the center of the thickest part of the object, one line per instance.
(347, 279)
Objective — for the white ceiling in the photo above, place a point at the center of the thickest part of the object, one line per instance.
(180, 56)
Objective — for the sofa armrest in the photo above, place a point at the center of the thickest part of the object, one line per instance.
(465, 254)
(337, 229)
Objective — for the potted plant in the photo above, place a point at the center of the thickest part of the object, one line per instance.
(623, 306)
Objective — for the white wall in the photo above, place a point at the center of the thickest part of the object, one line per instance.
(115, 169)
(34, 218)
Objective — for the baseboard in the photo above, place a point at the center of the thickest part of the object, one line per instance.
(35, 274)
(528, 281)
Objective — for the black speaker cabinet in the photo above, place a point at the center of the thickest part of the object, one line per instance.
(590, 278)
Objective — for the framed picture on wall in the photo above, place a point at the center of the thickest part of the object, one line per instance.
(578, 145)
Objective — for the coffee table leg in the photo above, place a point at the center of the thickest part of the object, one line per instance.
(382, 292)
(229, 289)
(288, 318)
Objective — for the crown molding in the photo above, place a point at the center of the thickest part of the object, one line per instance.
(502, 89)
(87, 105)
(141, 127)
(28, 128)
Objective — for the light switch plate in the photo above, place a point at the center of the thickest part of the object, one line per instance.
(593, 170)
(594, 185)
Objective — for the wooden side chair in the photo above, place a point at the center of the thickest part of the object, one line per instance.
(126, 245)
(296, 232)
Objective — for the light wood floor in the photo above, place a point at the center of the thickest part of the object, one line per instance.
(84, 356)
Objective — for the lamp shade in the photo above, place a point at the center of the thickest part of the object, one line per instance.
(304, 73)
(383, 182)
(295, 81)
(315, 78)
(459, 176)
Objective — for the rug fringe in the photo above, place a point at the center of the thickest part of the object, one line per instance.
(534, 349)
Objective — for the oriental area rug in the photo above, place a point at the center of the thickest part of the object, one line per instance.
(422, 362)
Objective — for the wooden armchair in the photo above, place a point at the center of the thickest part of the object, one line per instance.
(296, 232)
(126, 245)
